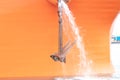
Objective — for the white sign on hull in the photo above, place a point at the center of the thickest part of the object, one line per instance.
(115, 43)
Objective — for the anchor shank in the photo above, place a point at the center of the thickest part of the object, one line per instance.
(60, 33)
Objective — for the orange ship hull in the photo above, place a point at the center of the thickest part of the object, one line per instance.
(28, 35)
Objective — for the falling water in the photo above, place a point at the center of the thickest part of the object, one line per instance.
(68, 17)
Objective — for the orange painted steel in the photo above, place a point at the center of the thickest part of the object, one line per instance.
(28, 35)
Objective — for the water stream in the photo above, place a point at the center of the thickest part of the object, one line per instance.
(72, 28)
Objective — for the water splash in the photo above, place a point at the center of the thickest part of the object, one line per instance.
(68, 17)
